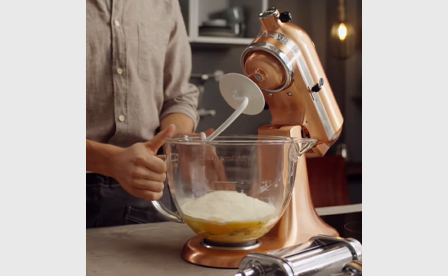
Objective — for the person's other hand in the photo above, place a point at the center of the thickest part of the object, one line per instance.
(139, 171)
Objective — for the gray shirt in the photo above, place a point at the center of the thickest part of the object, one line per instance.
(138, 68)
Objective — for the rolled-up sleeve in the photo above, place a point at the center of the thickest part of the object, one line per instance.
(180, 96)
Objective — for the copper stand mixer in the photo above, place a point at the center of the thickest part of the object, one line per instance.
(282, 61)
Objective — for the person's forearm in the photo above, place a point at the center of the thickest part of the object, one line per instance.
(97, 157)
(184, 124)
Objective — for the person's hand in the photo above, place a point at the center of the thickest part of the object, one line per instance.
(139, 171)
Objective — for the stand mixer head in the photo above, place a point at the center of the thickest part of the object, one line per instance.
(283, 62)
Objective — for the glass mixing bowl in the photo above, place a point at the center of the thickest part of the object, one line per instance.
(231, 189)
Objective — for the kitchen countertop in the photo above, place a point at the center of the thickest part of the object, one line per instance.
(154, 249)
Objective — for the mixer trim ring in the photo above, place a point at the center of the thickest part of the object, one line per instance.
(285, 41)
(240, 246)
(279, 55)
(301, 63)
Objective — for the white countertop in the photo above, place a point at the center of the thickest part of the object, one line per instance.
(154, 249)
(142, 249)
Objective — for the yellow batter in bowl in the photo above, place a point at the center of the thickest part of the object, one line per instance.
(228, 232)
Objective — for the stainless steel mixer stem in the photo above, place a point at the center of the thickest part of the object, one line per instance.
(321, 256)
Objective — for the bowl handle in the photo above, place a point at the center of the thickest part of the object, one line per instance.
(165, 212)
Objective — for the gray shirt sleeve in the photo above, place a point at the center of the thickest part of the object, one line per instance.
(180, 96)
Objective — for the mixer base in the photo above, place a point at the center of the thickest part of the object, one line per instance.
(200, 252)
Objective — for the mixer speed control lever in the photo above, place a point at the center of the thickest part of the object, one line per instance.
(318, 86)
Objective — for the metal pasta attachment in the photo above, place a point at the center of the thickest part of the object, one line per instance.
(320, 256)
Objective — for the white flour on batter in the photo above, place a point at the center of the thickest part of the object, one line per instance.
(228, 206)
